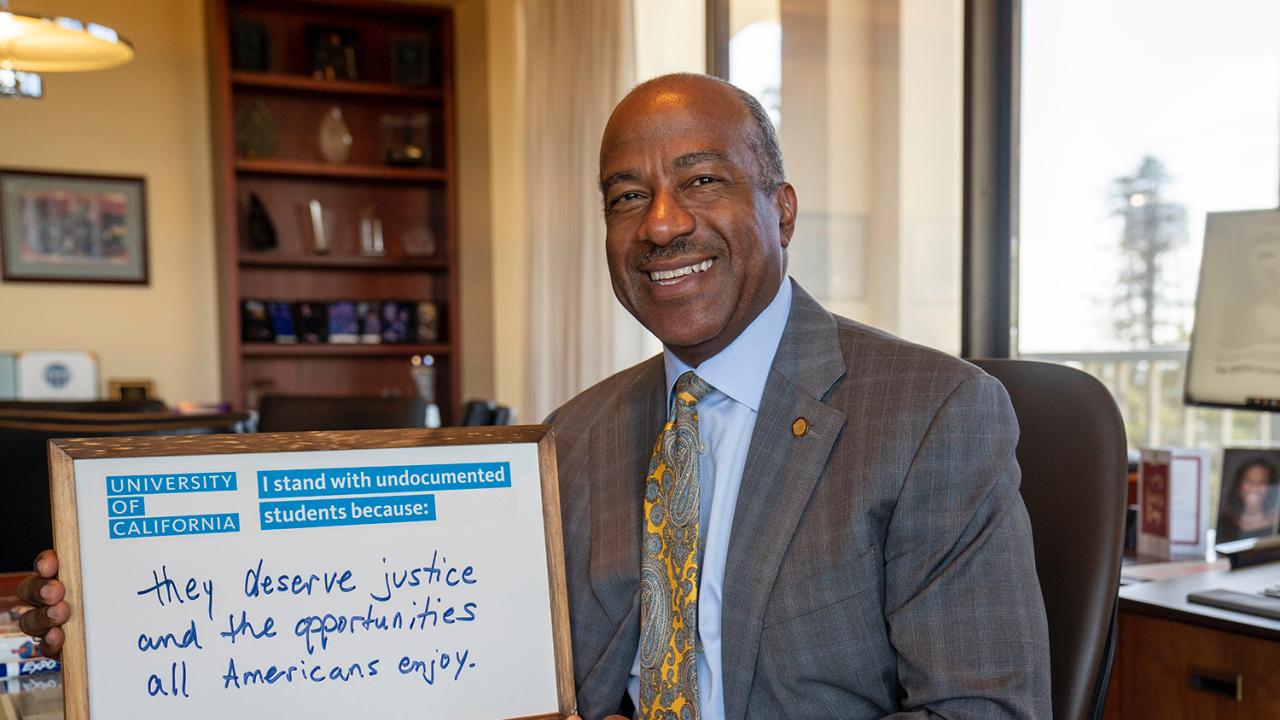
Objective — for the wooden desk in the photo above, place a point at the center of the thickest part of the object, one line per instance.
(1175, 659)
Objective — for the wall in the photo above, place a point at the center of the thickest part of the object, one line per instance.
(151, 118)
(506, 130)
(476, 244)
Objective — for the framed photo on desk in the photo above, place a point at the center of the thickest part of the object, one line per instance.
(1249, 504)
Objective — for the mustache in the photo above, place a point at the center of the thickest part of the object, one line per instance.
(681, 247)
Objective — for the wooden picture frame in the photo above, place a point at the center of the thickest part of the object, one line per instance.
(65, 227)
(63, 454)
(411, 59)
(1250, 477)
(133, 389)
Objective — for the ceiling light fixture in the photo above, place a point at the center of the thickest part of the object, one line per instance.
(30, 44)
(15, 84)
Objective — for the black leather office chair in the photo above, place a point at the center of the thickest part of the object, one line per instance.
(1072, 450)
(288, 413)
(25, 527)
(477, 413)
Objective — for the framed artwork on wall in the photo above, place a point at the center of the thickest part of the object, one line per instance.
(58, 227)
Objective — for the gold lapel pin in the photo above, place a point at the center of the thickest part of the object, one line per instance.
(799, 427)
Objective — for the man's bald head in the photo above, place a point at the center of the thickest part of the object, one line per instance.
(764, 141)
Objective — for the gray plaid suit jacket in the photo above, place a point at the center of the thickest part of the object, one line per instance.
(879, 565)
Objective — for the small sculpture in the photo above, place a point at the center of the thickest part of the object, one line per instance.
(262, 232)
(335, 137)
(257, 134)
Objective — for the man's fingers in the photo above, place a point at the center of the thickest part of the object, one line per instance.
(47, 564)
(42, 588)
(37, 621)
(38, 591)
(45, 593)
(51, 644)
(59, 613)
(29, 589)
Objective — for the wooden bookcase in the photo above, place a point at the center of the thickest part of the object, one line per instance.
(414, 200)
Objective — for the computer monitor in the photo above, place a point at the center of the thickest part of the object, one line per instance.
(1235, 344)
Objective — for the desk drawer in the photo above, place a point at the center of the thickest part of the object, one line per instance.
(1170, 669)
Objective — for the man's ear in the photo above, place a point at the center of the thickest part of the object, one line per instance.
(786, 199)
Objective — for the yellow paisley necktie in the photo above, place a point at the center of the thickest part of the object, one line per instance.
(669, 564)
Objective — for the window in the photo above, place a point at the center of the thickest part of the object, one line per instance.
(867, 98)
(1137, 118)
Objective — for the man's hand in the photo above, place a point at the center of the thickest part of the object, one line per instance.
(49, 611)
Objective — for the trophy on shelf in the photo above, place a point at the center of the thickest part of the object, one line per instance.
(423, 371)
(371, 234)
(321, 222)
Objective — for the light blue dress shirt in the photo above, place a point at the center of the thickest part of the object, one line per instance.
(726, 419)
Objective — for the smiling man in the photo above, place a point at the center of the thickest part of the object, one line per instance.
(786, 514)
(829, 525)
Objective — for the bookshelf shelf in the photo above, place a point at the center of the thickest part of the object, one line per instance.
(303, 84)
(339, 262)
(304, 169)
(304, 350)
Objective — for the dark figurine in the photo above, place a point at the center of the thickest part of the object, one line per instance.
(262, 233)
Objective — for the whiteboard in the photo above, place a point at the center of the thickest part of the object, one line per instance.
(382, 574)
(1235, 347)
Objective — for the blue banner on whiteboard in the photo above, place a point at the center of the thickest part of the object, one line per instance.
(126, 506)
(174, 525)
(293, 514)
(170, 483)
(327, 482)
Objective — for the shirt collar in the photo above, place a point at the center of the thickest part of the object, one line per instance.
(741, 369)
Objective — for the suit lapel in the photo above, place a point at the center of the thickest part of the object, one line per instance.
(778, 479)
(621, 452)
